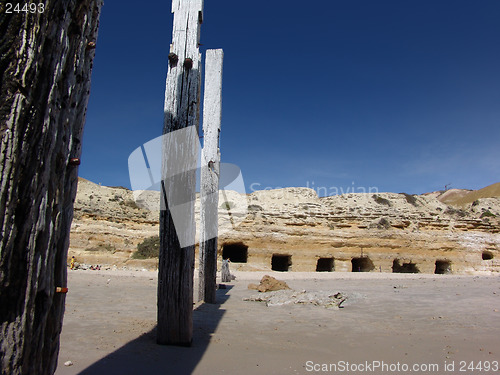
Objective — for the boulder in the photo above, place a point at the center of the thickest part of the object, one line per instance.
(269, 284)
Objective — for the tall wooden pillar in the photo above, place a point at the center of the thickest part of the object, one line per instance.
(209, 187)
(45, 67)
(180, 142)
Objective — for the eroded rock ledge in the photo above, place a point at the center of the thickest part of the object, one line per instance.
(293, 229)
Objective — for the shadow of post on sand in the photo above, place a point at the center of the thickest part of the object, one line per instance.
(144, 356)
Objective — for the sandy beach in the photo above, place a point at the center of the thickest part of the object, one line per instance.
(426, 322)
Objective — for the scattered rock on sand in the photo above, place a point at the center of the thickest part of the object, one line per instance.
(269, 284)
(68, 363)
(253, 286)
(286, 297)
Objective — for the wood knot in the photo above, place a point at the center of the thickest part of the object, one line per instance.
(74, 162)
(172, 59)
(188, 63)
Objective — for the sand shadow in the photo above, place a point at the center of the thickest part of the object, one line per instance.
(144, 356)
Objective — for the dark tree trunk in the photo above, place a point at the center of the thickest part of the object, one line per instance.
(45, 65)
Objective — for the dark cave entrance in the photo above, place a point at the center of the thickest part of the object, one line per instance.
(404, 268)
(236, 252)
(325, 265)
(363, 264)
(280, 262)
(442, 267)
(487, 255)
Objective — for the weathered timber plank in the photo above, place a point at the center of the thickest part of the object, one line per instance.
(210, 171)
(45, 68)
(177, 225)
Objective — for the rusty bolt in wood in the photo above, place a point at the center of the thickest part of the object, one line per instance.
(173, 59)
(188, 63)
(74, 162)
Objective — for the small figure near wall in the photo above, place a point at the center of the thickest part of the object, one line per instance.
(225, 273)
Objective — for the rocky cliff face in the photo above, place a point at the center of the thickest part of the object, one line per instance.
(293, 229)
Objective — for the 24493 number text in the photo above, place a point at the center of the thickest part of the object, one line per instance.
(26, 8)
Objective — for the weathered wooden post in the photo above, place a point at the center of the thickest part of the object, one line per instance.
(180, 146)
(45, 67)
(210, 168)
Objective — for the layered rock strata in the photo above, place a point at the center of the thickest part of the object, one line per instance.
(293, 229)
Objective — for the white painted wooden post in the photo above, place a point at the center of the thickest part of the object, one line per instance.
(209, 187)
(182, 101)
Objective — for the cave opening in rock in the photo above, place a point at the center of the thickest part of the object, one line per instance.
(404, 268)
(362, 264)
(487, 255)
(442, 267)
(325, 265)
(236, 252)
(281, 262)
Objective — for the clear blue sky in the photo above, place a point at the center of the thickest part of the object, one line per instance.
(399, 95)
